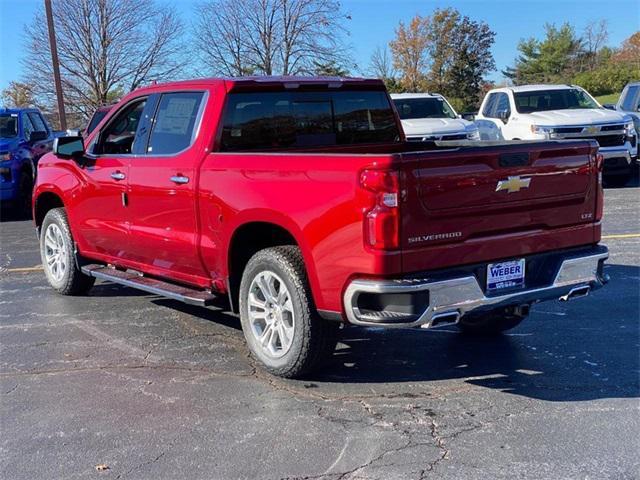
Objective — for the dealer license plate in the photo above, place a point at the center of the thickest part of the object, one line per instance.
(505, 275)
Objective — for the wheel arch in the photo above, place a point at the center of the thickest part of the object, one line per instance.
(44, 202)
(250, 237)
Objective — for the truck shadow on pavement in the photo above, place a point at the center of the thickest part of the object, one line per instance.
(583, 350)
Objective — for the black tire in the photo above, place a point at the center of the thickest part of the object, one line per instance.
(313, 338)
(489, 324)
(72, 281)
(617, 180)
(23, 200)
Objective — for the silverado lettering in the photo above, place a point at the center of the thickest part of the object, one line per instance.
(300, 201)
(435, 236)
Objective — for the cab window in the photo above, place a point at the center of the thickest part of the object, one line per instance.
(38, 122)
(630, 98)
(502, 105)
(175, 123)
(290, 120)
(487, 111)
(27, 126)
(118, 136)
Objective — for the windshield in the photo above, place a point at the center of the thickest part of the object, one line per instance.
(432, 107)
(543, 100)
(8, 125)
(96, 119)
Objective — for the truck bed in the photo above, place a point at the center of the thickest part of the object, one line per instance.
(450, 211)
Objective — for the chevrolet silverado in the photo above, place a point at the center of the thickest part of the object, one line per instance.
(300, 200)
(556, 112)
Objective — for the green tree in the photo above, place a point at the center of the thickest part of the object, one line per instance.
(443, 32)
(609, 78)
(547, 61)
(470, 62)
(446, 52)
(18, 95)
(410, 49)
(329, 69)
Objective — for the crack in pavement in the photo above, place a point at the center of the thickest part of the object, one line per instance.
(11, 390)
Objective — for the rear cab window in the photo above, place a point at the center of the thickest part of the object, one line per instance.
(290, 120)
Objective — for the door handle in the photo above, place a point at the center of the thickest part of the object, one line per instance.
(118, 176)
(179, 179)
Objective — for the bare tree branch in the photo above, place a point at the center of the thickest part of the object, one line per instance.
(105, 47)
(269, 37)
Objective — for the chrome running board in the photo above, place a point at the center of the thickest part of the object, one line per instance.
(150, 285)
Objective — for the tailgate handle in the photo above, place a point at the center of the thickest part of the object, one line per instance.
(514, 159)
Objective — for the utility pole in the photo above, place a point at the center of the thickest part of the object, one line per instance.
(56, 65)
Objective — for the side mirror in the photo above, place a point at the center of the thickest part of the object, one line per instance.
(504, 115)
(609, 106)
(68, 147)
(38, 136)
(469, 116)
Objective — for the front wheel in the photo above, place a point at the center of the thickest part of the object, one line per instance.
(57, 253)
(279, 321)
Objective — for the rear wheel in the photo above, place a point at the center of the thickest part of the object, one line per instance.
(279, 321)
(491, 323)
(57, 253)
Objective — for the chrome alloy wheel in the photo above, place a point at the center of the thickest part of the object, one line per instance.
(271, 314)
(55, 252)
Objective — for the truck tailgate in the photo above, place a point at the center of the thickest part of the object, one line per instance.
(473, 204)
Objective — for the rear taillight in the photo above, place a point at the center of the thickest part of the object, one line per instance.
(382, 220)
(599, 167)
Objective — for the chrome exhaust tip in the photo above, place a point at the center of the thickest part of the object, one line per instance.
(576, 293)
(443, 318)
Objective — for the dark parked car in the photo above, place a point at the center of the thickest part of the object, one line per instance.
(24, 137)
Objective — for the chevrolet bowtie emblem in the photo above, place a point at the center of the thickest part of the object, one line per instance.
(513, 184)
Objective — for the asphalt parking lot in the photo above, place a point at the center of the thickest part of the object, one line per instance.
(155, 389)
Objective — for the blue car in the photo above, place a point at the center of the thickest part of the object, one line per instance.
(24, 137)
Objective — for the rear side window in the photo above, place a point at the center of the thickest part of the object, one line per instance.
(280, 120)
(27, 126)
(502, 104)
(174, 123)
(38, 122)
(630, 98)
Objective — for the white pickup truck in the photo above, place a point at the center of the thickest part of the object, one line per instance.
(629, 103)
(428, 116)
(556, 112)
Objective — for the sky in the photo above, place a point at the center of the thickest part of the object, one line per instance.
(373, 23)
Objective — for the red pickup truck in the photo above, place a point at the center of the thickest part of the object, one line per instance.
(300, 199)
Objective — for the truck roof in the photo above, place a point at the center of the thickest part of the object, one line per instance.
(232, 83)
(18, 110)
(415, 95)
(534, 87)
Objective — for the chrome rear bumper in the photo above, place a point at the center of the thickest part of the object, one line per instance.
(448, 300)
